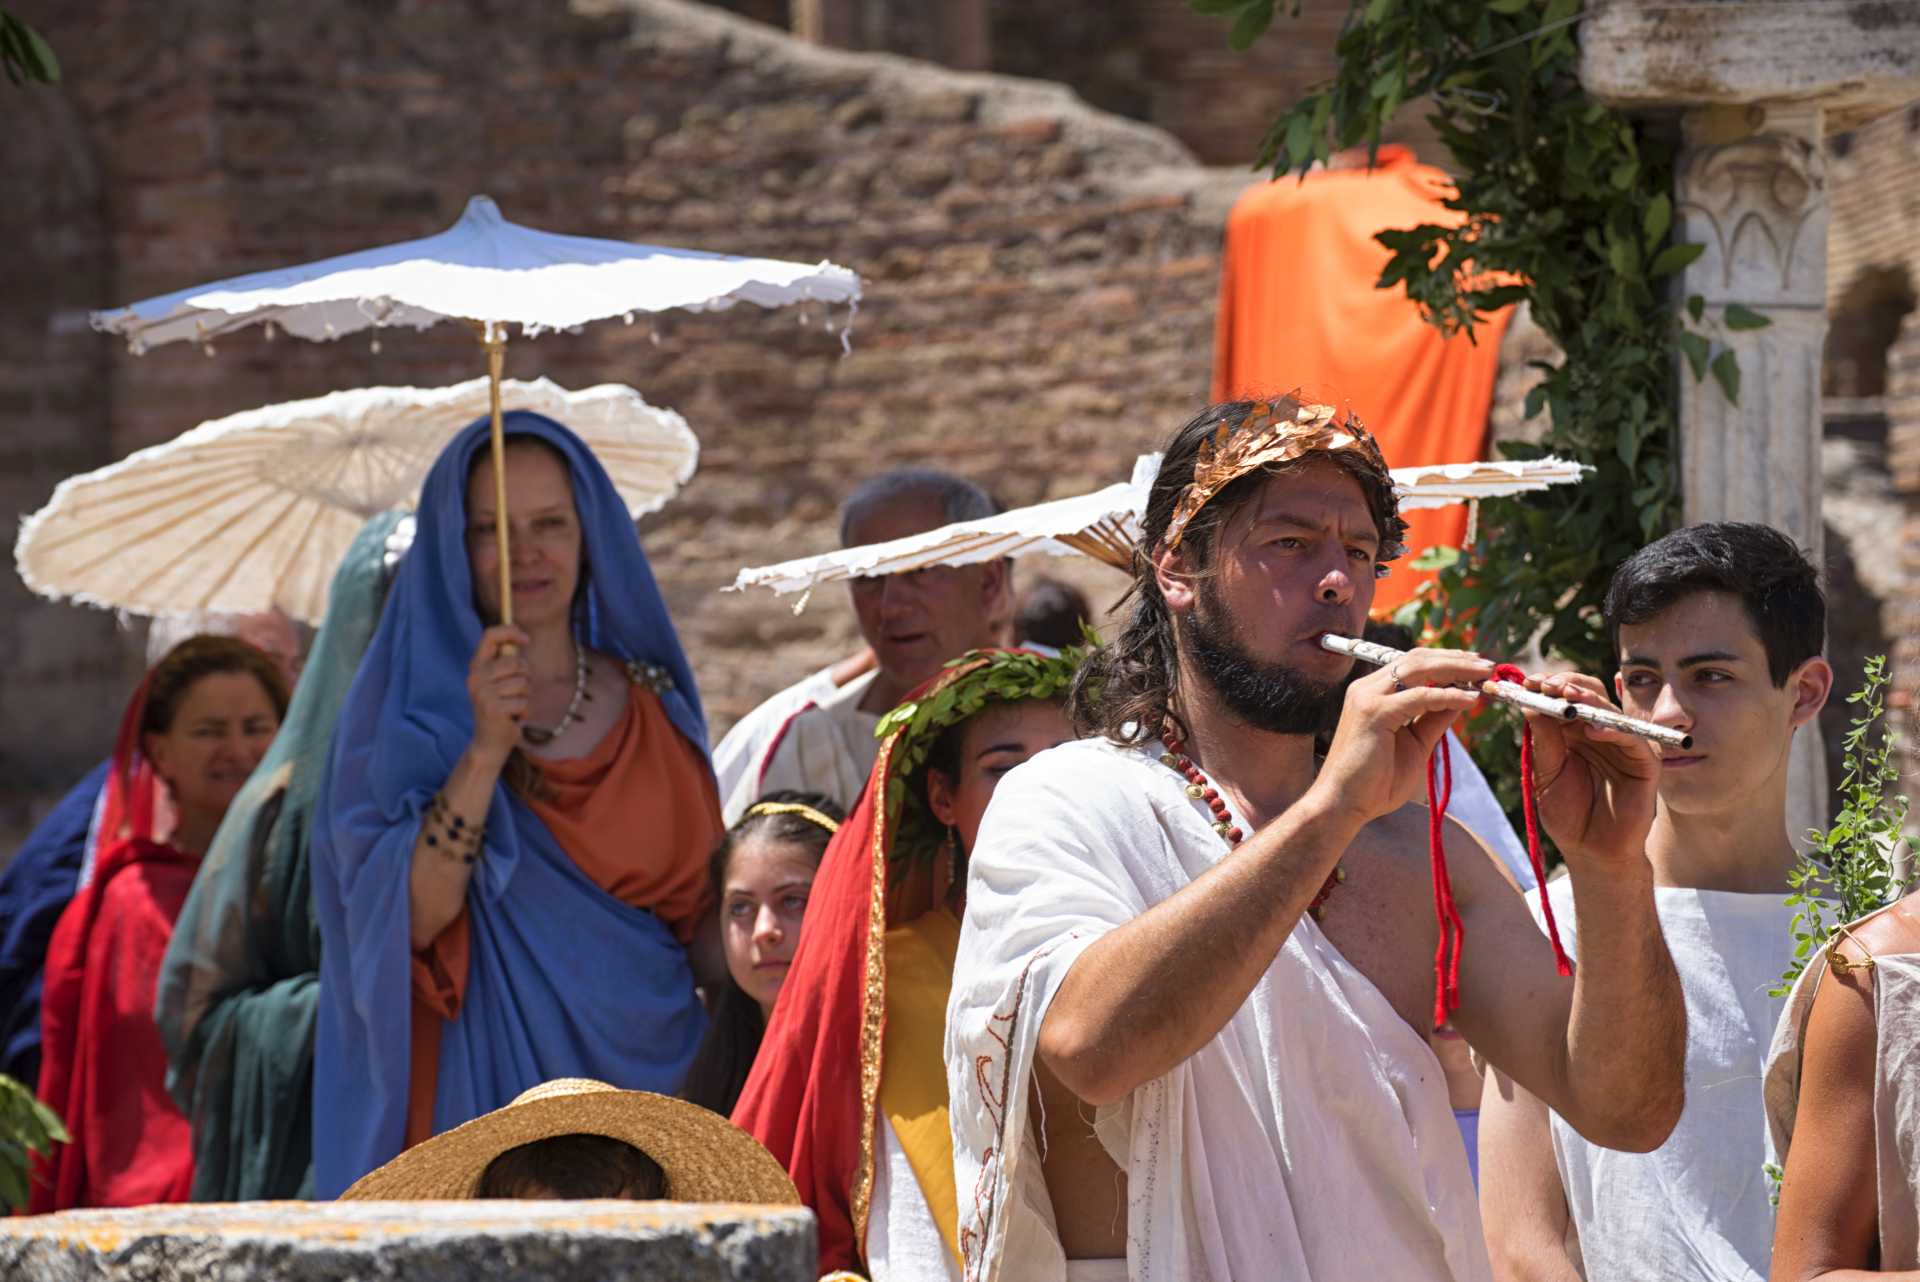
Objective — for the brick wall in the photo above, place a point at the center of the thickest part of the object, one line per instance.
(1873, 247)
(1903, 454)
(53, 422)
(1872, 367)
(1039, 276)
(1221, 103)
(1152, 60)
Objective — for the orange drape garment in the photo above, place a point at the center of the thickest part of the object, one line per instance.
(639, 815)
(1298, 308)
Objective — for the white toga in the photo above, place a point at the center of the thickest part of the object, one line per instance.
(826, 746)
(1699, 1206)
(745, 743)
(1311, 1140)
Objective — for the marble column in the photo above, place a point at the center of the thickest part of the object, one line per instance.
(1757, 85)
(1751, 187)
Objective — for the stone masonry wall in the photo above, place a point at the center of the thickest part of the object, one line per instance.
(1040, 277)
(421, 1241)
(1152, 60)
(1873, 247)
(1873, 364)
(1903, 452)
(53, 422)
(1221, 102)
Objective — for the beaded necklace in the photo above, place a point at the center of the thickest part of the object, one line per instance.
(540, 738)
(1200, 789)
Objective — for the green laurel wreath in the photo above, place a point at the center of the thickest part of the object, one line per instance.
(1006, 676)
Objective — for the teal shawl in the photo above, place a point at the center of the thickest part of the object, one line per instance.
(240, 983)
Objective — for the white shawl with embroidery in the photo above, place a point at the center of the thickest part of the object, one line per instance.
(1310, 1141)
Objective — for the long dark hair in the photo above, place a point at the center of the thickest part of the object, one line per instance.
(735, 1025)
(1126, 689)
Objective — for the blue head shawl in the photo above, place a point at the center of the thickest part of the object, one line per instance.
(563, 979)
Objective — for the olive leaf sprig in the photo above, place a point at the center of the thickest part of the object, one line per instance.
(26, 1126)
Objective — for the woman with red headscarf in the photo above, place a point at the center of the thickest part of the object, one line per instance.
(192, 733)
(850, 1089)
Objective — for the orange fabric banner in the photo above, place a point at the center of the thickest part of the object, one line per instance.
(1298, 308)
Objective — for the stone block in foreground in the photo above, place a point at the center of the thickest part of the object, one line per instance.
(415, 1241)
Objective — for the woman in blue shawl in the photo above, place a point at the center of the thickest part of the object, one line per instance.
(241, 979)
(509, 845)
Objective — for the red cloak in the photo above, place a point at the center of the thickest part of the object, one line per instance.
(104, 1066)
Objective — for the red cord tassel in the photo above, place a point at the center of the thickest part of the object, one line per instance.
(1508, 672)
(1452, 931)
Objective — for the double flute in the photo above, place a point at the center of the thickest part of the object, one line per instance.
(1521, 697)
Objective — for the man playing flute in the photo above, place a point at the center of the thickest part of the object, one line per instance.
(1717, 629)
(1211, 958)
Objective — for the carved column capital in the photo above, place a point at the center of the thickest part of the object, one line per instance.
(1751, 187)
(1758, 202)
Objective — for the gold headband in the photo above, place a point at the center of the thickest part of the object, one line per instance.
(807, 813)
(1263, 438)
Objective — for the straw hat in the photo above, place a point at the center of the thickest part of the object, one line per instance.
(705, 1157)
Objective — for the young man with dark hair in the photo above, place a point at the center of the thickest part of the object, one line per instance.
(1194, 939)
(1717, 629)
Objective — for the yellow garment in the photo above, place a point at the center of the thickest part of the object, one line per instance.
(913, 1078)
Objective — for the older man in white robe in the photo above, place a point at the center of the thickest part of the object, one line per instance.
(914, 623)
(1213, 959)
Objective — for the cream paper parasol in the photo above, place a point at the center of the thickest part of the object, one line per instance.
(1441, 484)
(485, 271)
(255, 510)
(1106, 524)
(1103, 525)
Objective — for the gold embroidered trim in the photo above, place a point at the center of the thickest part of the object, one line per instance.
(873, 1011)
(973, 1237)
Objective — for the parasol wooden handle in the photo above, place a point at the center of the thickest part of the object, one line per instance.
(496, 344)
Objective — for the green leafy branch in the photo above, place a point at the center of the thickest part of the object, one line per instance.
(1849, 868)
(1562, 203)
(24, 55)
(26, 1126)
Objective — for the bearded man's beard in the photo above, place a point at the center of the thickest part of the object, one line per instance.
(1264, 694)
